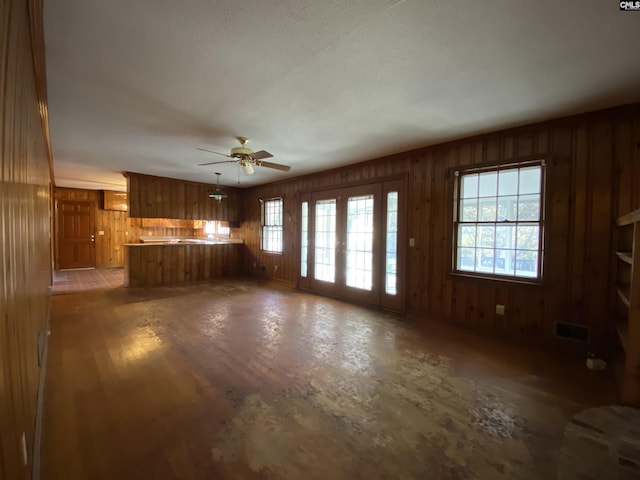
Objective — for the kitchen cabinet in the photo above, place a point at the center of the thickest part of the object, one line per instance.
(159, 197)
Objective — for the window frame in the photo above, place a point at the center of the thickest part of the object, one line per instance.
(264, 225)
(456, 174)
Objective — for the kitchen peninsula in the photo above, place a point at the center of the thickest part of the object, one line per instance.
(174, 214)
(184, 260)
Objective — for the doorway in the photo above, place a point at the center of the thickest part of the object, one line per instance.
(349, 243)
(76, 240)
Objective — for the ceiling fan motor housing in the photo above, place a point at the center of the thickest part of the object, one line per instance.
(241, 152)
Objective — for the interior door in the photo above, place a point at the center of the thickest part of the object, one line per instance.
(76, 241)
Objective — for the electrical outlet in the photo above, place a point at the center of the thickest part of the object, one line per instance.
(499, 309)
(254, 264)
(276, 268)
(412, 242)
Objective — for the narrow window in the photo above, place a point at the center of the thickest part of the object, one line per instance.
(325, 241)
(304, 235)
(390, 284)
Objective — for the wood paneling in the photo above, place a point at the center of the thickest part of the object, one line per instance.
(593, 175)
(25, 204)
(158, 197)
(114, 200)
(154, 265)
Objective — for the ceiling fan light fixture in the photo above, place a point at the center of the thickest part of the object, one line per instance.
(248, 168)
(218, 194)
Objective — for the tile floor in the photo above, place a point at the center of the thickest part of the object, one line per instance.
(81, 280)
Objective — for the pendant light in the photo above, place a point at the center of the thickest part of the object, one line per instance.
(217, 194)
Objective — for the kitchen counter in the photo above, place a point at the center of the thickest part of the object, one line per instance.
(178, 261)
(146, 241)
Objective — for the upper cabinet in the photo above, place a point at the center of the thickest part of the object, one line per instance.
(158, 197)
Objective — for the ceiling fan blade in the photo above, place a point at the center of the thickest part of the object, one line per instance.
(216, 163)
(211, 151)
(260, 155)
(277, 166)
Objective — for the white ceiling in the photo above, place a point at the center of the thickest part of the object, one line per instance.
(139, 85)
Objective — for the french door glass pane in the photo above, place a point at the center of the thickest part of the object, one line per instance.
(325, 249)
(359, 273)
(390, 284)
(304, 244)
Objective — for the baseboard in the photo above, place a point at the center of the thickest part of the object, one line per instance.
(37, 434)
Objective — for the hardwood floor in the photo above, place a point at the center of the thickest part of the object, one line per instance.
(236, 380)
(80, 280)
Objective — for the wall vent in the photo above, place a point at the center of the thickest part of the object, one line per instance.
(572, 331)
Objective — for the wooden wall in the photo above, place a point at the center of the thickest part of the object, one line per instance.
(593, 175)
(25, 228)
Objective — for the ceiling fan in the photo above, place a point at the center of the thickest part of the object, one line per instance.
(247, 158)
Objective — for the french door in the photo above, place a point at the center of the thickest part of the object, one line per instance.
(349, 243)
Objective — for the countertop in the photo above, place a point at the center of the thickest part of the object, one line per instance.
(166, 241)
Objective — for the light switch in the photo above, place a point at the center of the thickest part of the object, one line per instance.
(412, 242)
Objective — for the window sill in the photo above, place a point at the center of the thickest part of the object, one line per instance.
(269, 252)
(497, 279)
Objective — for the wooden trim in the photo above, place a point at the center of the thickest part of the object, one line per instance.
(625, 257)
(37, 436)
(500, 280)
(357, 183)
(629, 218)
(36, 33)
(500, 165)
(623, 293)
(127, 175)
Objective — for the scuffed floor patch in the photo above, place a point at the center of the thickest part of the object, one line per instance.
(413, 418)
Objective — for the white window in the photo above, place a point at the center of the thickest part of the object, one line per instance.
(304, 236)
(272, 225)
(499, 221)
(391, 255)
(216, 229)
